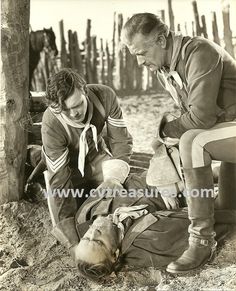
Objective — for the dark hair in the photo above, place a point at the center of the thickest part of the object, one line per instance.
(144, 23)
(101, 270)
(61, 85)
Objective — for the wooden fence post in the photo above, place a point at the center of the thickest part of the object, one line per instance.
(119, 74)
(14, 100)
(178, 27)
(227, 31)
(196, 18)
(215, 29)
(114, 42)
(163, 15)
(78, 57)
(109, 68)
(193, 31)
(72, 62)
(89, 75)
(64, 61)
(102, 65)
(129, 70)
(186, 28)
(171, 16)
(94, 60)
(204, 27)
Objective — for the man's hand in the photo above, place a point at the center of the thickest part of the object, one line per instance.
(168, 141)
(110, 186)
(73, 253)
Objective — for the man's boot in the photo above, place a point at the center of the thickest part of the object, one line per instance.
(200, 200)
(227, 187)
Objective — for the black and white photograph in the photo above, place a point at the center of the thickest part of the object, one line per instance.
(118, 145)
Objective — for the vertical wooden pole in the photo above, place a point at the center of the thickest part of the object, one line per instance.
(215, 29)
(114, 43)
(186, 28)
(178, 28)
(196, 18)
(64, 62)
(204, 28)
(72, 63)
(89, 75)
(14, 100)
(94, 60)
(119, 74)
(171, 15)
(102, 65)
(227, 31)
(193, 30)
(129, 77)
(139, 77)
(163, 15)
(109, 69)
(78, 57)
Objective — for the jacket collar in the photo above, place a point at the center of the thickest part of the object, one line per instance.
(177, 45)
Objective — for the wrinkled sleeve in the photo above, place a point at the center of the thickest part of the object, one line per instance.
(119, 138)
(203, 74)
(62, 206)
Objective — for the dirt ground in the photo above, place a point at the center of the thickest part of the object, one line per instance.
(31, 259)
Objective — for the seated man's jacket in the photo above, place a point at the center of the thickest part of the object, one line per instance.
(202, 81)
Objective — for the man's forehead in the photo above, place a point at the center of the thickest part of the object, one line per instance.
(139, 42)
(74, 98)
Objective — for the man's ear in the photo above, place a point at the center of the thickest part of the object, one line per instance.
(162, 41)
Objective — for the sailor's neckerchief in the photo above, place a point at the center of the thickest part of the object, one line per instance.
(177, 45)
(83, 144)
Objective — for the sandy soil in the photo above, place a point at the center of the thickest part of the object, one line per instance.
(31, 259)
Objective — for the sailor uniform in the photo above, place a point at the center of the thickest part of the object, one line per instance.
(74, 152)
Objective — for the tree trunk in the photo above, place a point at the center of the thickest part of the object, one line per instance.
(14, 97)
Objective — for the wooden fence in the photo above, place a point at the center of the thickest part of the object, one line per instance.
(113, 65)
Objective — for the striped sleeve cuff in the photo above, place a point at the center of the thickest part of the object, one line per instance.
(54, 166)
(116, 122)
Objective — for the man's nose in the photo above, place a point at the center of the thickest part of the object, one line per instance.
(74, 112)
(140, 60)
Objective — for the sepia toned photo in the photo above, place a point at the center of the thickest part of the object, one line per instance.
(118, 145)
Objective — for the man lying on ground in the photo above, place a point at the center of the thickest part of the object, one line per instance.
(137, 233)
